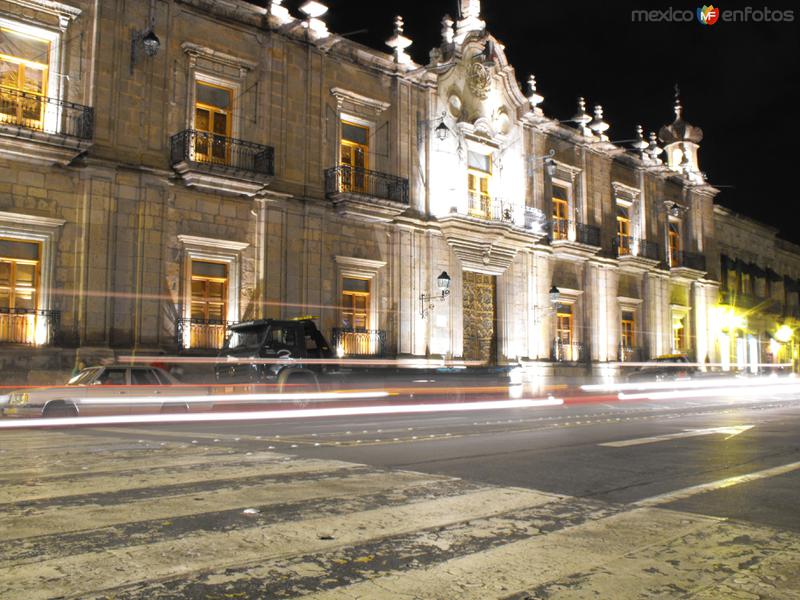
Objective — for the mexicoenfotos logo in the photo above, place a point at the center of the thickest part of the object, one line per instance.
(707, 15)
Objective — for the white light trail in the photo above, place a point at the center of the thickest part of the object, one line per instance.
(239, 398)
(280, 414)
(232, 360)
(689, 384)
(713, 392)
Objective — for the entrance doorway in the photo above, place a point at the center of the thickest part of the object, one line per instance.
(480, 317)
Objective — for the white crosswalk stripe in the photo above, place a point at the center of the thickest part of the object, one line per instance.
(151, 521)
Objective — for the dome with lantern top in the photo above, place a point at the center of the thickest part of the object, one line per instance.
(681, 142)
(679, 130)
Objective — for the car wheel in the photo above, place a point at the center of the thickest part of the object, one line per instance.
(59, 410)
(309, 384)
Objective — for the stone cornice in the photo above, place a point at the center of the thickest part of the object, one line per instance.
(23, 219)
(375, 106)
(64, 12)
(204, 242)
(626, 191)
(359, 263)
(215, 55)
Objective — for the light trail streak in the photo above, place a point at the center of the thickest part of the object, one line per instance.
(232, 360)
(713, 392)
(239, 398)
(279, 414)
(688, 384)
(698, 365)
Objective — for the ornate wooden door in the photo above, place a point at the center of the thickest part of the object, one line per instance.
(480, 317)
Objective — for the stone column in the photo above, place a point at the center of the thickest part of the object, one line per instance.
(601, 311)
(704, 299)
(97, 236)
(657, 323)
(541, 329)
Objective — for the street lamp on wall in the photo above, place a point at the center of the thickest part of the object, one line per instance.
(673, 209)
(145, 41)
(441, 131)
(427, 302)
(547, 160)
(542, 312)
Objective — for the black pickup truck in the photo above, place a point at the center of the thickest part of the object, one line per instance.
(294, 354)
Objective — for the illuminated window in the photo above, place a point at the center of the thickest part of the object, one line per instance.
(627, 336)
(356, 340)
(212, 121)
(623, 230)
(560, 212)
(479, 175)
(209, 304)
(564, 323)
(678, 333)
(19, 287)
(355, 304)
(674, 240)
(354, 156)
(24, 63)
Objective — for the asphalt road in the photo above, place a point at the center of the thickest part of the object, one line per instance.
(679, 498)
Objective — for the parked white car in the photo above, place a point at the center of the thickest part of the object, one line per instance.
(106, 390)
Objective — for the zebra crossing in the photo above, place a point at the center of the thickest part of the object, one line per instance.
(91, 515)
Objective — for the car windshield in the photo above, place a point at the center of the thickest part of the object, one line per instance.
(243, 339)
(84, 377)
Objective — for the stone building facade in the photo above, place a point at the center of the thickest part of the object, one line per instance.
(167, 167)
(759, 310)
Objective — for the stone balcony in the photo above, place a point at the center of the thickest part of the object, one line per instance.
(366, 195)
(637, 254)
(687, 265)
(222, 164)
(573, 240)
(488, 236)
(41, 130)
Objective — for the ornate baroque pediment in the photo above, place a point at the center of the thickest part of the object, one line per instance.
(485, 246)
(479, 79)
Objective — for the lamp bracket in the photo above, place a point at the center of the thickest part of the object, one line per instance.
(427, 302)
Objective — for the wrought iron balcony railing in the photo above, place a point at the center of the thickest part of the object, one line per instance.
(567, 352)
(561, 229)
(28, 326)
(689, 260)
(628, 245)
(358, 342)
(49, 115)
(492, 209)
(217, 151)
(355, 180)
(201, 334)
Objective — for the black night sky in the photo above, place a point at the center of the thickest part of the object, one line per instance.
(740, 82)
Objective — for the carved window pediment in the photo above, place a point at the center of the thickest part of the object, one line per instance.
(359, 104)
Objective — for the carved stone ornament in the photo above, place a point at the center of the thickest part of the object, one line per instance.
(479, 80)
